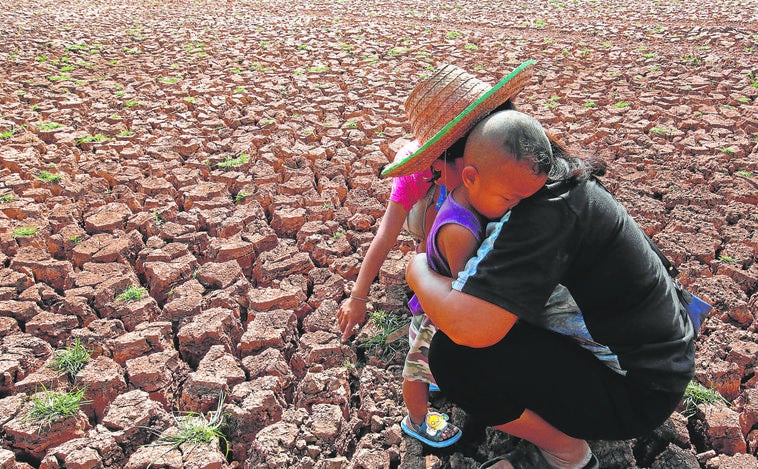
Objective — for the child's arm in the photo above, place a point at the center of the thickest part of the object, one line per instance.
(353, 310)
(456, 245)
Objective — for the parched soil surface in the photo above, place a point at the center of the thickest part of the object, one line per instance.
(221, 159)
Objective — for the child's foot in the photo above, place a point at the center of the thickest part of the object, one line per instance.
(435, 431)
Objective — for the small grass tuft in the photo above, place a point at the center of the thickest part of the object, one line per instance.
(660, 131)
(25, 231)
(46, 176)
(696, 394)
(71, 359)
(241, 195)
(98, 138)
(47, 126)
(49, 406)
(132, 293)
(196, 429)
(234, 162)
(388, 324)
(7, 198)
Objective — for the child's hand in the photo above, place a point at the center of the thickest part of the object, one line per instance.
(351, 313)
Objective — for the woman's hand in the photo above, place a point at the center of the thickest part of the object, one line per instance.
(352, 313)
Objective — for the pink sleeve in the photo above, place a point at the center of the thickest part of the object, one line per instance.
(407, 190)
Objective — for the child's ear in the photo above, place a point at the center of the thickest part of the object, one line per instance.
(469, 174)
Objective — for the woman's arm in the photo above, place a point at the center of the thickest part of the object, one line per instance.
(467, 320)
(352, 312)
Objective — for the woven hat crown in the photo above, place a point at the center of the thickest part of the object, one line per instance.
(440, 98)
(446, 106)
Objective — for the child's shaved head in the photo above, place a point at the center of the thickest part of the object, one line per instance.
(509, 134)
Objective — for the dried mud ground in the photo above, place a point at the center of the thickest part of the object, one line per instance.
(222, 157)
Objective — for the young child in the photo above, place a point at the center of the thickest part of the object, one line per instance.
(453, 239)
(408, 193)
(414, 202)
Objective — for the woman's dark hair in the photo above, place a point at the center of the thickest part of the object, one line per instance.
(527, 142)
(561, 166)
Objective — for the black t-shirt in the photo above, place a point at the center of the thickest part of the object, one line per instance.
(579, 235)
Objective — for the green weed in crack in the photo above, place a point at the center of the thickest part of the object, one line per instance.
(46, 176)
(234, 162)
(194, 429)
(25, 231)
(132, 293)
(696, 394)
(387, 325)
(49, 406)
(71, 359)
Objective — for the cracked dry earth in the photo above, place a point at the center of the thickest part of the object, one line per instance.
(223, 156)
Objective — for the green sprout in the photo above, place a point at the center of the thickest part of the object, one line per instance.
(387, 325)
(49, 406)
(7, 198)
(76, 47)
(553, 102)
(696, 394)
(691, 59)
(241, 195)
(98, 138)
(63, 77)
(22, 231)
(195, 429)
(71, 359)
(47, 126)
(621, 104)
(132, 293)
(234, 162)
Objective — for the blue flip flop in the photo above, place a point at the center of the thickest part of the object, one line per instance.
(431, 430)
(434, 388)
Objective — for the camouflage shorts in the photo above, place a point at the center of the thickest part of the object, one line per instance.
(420, 334)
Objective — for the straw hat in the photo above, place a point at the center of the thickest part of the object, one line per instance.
(445, 106)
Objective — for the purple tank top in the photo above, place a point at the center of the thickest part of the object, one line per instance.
(450, 212)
